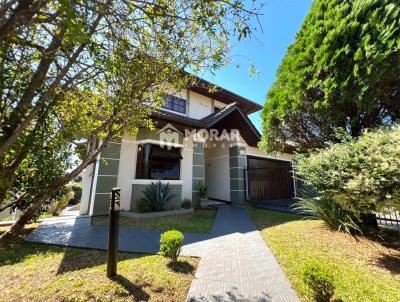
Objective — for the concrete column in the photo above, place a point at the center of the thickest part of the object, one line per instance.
(237, 164)
(87, 180)
(107, 177)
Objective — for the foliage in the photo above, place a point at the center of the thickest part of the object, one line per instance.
(60, 203)
(186, 204)
(202, 188)
(360, 175)
(320, 280)
(77, 189)
(157, 195)
(330, 212)
(170, 244)
(339, 76)
(76, 75)
(363, 269)
(143, 206)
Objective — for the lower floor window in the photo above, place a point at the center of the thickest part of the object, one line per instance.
(155, 162)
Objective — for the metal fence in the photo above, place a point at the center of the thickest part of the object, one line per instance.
(391, 219)
(280, 205)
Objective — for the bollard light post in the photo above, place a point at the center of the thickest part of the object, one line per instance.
(113, 229)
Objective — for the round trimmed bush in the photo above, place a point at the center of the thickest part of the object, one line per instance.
(320, 280)
(170, 244)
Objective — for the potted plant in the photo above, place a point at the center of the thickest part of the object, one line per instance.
(203, 192)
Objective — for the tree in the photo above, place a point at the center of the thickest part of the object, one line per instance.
(81, 73)
(341, 74)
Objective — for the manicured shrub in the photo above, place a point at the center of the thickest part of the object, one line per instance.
(157, 195)
(143, 206)
(320, 280)
(186, 204)
(359, 175)
(170, 244)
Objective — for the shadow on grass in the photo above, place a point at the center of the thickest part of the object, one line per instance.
(18, 250)
(78, 259)
(133, 290)
(389, 238)
(391, 263)
(75, 259)
(183, 267)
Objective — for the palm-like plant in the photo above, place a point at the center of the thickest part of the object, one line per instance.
(158, 195)
(203, 191)
(330, 212)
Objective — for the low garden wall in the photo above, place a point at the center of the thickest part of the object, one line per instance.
(156, 214)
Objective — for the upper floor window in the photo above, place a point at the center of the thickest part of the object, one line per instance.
(175, 104)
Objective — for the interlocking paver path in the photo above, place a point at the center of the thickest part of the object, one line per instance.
(236, 265)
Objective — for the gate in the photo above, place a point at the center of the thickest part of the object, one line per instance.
(270, 184)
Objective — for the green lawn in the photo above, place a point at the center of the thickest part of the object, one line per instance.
(364, 270)
(199, 222)
(34, 272)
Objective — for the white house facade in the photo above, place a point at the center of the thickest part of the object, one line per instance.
(201, 136)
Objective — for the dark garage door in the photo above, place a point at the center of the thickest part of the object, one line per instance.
(269, 180)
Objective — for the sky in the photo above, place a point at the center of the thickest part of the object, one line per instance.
(280, 20)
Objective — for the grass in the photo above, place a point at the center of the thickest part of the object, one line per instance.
(199, 222)
(46, 215)
(34, 272)
(364, 269)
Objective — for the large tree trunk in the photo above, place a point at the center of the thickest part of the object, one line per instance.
(26, 217)
(38, 201)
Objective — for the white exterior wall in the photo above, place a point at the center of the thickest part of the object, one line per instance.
(127, 170)
(253, 151)
(86, 182)
(199, 105)
(217, 171)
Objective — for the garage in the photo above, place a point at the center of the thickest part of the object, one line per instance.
(269, 183)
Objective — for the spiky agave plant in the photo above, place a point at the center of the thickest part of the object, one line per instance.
(158, 195)
(327, 210)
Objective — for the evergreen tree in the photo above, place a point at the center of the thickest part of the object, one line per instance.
(341, 75)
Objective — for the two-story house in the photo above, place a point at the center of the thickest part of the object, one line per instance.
(200, 136)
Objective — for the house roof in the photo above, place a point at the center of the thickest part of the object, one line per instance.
(230, 117)
(223, 95)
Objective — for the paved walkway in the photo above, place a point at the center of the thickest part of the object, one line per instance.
(79, 232)
(236, 265)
